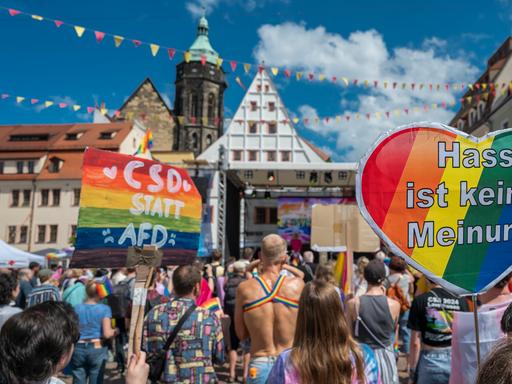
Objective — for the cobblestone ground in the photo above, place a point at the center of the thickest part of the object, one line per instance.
(113, 376)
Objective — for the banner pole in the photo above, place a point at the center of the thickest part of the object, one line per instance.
(477, 333)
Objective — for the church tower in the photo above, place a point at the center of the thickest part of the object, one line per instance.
(199, 100)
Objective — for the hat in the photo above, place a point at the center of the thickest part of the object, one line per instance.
(45, 274)
(375, 272)
(239, 266)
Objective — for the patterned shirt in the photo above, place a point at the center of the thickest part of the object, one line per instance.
(284, 372)
(197, 346)
(42, 294)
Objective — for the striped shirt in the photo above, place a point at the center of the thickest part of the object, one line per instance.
(42, 294)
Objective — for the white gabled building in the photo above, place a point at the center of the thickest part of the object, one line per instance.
(263, 156)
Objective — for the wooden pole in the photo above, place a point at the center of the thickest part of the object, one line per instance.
(145, 261)
(477, 331)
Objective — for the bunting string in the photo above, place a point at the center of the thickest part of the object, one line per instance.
(237, 66)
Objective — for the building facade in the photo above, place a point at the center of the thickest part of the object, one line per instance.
(488, 106)
(40, 178)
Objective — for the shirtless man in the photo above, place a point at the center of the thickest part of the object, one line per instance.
(266, 309)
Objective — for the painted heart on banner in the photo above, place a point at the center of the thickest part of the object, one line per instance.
(111, 172)
(443, 200)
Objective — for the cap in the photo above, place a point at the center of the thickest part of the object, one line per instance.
(45, 274)
(375, 272)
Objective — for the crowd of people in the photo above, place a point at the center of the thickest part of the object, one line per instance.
(284, 316)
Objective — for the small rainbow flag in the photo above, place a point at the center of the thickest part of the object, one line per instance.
(147, 142)
(213, 305)
(104, 288)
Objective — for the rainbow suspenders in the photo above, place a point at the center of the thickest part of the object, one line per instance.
(271, 295)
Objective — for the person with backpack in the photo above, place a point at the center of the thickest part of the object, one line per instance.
(400, 287)
(229, 308)
(374, 318)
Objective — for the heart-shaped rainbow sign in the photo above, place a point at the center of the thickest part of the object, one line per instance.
(443, 200)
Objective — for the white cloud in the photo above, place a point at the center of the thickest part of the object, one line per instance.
(363, 55)
(197, 7)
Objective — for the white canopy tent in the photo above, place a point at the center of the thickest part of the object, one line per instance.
(11, 257)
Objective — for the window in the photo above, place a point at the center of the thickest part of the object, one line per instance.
(54, 165)
(253, 127)
(300, 175)
(194, 105)
(19, 167)
(248, 174)
(73, 232)
(11, 234)
(271, 106)
(209, 140)
(53, 233)
(194, 140)
(23, 234)
(29, 137)
(285, 155)
(267, 88)
(56, 197)
(1, 167)
(253, 155)
(272, 128)
(45, 194)
(211, 106)
(342, 175)
(460, 125)
(265, 215)
(15, 198)
(76, 196)
(73, 136)
(31, 165)
(258, 88)
(107, 135)
(41, 233)
(26, 198)
(254, 106)
(237, 155)
(472, 117)
(504, 124)
(271, 156)
(481, 109)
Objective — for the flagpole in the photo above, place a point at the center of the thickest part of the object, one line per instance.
(477, 332)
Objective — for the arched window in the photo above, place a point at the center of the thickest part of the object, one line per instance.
(194, 140)
(194, 105)
(460, 125)
(211, 106)
(209, 140)
(481, 109)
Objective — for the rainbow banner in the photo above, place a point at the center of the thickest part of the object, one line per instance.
(130, 202)
(443, 200)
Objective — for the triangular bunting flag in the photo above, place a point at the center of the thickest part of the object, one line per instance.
(233, 64)
(154, 49)
(19, 99)
(186, 56)
(48, 104)
(333, 79)
(4, 96)
(76, 107)
(321, 77)
(118, 40)
(295, 120)
(338, 119)
(99, 36)
(58, 23)
(90, 109)
(79, 30)
(171, 52)
(311, 76)
(137, 43)
(345, 80)
(298, 75)
(62, 105)
(274, 71)
(34, 101)
(203, 59)
(181, 120)
(385, 84)
(287, 73)
(13, 12)
(366, 83)
(247, 67)
(103, 111)
(117, 113)
(205, 120)
(37, 17)
(219, 62)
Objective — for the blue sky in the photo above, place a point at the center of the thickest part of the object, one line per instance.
(420, 41)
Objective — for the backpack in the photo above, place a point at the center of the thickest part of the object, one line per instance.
(395, 292)
(119, 300)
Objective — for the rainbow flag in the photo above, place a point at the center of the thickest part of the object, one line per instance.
(130, 202)
(213, 305)
(343, 271)
(104, 288)
(146, 144)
